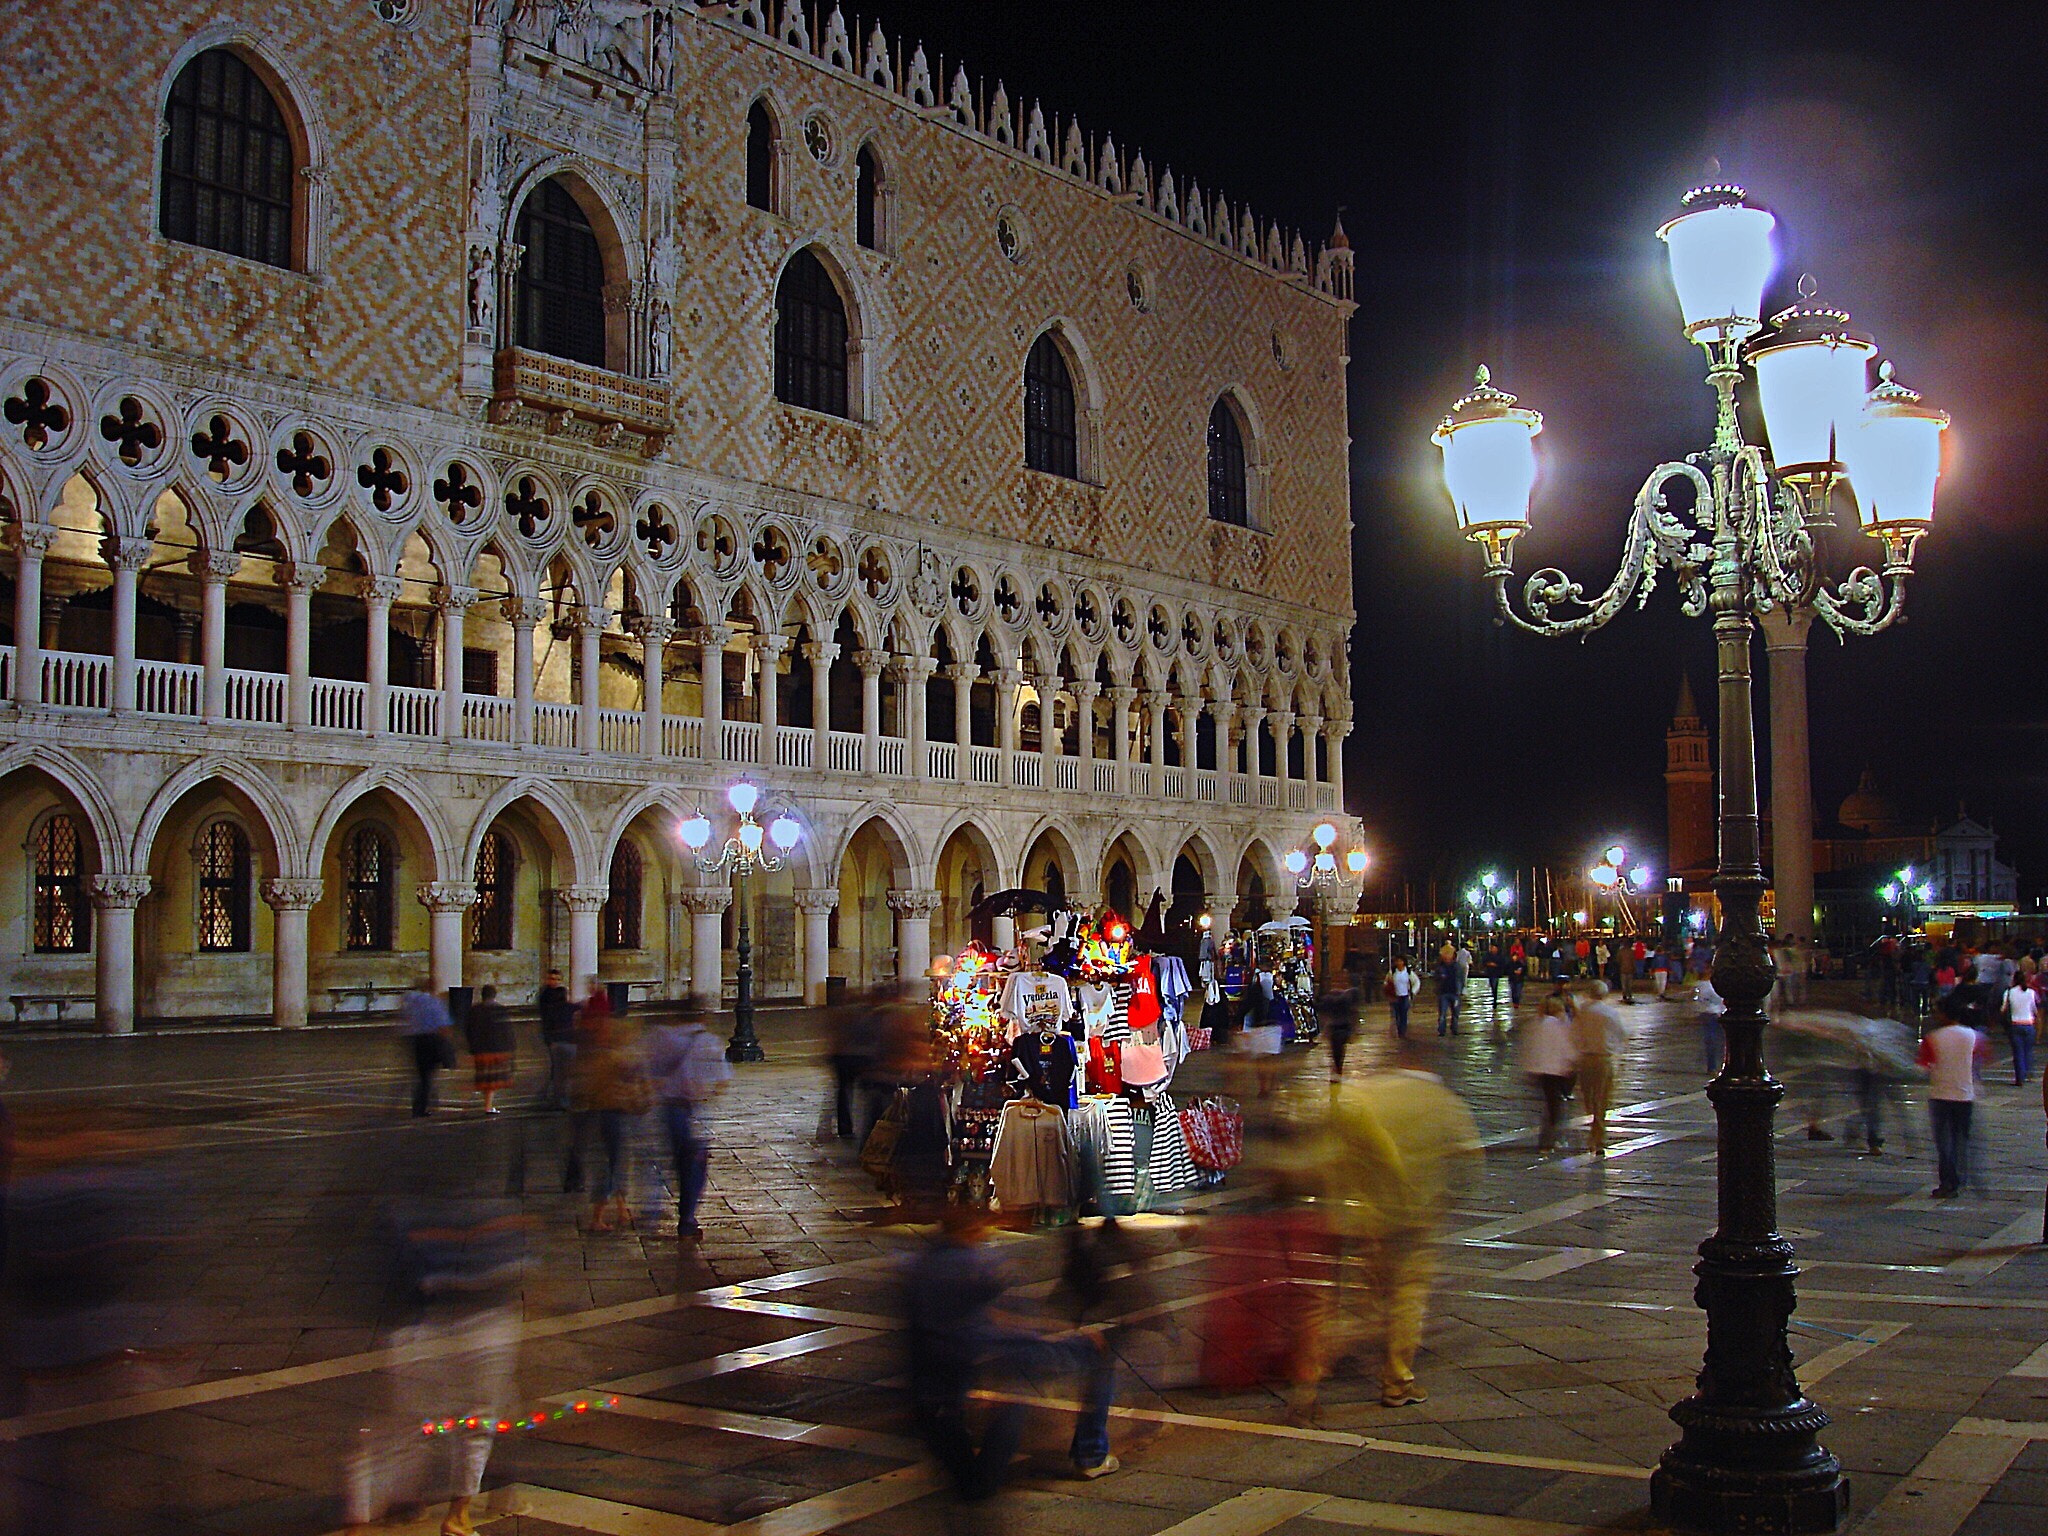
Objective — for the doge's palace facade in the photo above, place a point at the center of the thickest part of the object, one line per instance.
(444, 441)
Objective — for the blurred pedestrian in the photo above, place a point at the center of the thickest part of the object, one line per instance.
(608, 1089)
(1518, 973)
(1450, 986)
(1660, 970)
(1548, 1059)
(1339, 1014)
(957, 1344)
(558, 1035)
(1713, 1039)
(491, 1041)
(1599, 1034)
(687, 1069)
(855, 1036)
(1401, 1140)
(1402, 984)
(424, 1023)
(1951, 1052)
(1261, 1037)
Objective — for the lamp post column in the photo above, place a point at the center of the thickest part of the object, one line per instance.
(743, 1046)
(1748, 1457)
(1785, 631)
(654, 635)
(817, 907)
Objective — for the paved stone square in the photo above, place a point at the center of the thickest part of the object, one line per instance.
(758, 1375)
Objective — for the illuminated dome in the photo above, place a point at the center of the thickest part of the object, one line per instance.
(1868, 809)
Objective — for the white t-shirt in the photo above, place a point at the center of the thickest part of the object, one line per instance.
(1949, 1054)
(1405, 980)
(1037, 1000)
(2020, 1003)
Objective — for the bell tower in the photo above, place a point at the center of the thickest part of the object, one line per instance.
(1690, 833)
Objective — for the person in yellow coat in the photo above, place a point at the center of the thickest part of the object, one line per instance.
(1399, 1142)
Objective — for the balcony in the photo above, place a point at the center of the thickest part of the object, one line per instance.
(559, 389)
(81, 686)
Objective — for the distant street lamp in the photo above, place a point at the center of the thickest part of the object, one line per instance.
(1906, 894)
(743, 852)
(1316, 873)
(1738, 529)
(1610, 876)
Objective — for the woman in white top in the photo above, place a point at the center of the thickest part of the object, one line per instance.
(2022, 1007)
(1402, 985)
(1549, 1058)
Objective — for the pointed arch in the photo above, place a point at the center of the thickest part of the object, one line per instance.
(908, 865)
(823, 326)
(265, 806)
(561, 823)
(964, 823)
(401, 788)
(83, 786)
(577, 246)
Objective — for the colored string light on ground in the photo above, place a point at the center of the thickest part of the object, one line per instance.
(536, 1420)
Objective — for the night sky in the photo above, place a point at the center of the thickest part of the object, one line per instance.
(1503, 169)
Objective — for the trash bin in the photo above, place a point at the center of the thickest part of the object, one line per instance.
(458, 1004)
(621, 995)
(835, 991)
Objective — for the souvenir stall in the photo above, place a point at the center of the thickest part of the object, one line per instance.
(1060, 1053)
(1287, 946)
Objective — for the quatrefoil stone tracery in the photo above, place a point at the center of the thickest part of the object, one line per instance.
(773, 554)
(459, 493)
(219, 448)
(383, 479)
(128, 426)
(40, 415)
(308, 467)
(528, 506)
(656, 531)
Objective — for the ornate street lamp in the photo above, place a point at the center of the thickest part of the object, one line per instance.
(1735, 527)
(743, 852)
(1906, 894)
(1316, 873)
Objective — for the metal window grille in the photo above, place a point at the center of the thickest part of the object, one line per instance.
(63, 923)
(224, 888)
(810, 337)
(1050, 443)
(760, 158)
(366, 895)
(561, 278)
(490, 922)
(1227, 502)
(228, 162)
(622, 905)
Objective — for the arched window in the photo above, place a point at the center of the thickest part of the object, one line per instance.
(760, 158)
(368, 876)
(1055, 883)
(1050, 442)
(561, 278)
(1030, 728)
(1228, 502)
(224, 888)
(63, 921)
(810, 337)
(867, 212)
(622, 904)
(490, 920)
(229, 168)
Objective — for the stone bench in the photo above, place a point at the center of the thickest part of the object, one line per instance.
(368, 993)
(61, 1001)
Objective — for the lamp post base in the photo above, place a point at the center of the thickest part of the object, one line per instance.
(1723, 1481)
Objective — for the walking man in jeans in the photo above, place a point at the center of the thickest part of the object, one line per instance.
(1951, 1053)
(558, 1035)
(687, 1068)
(424, 1021)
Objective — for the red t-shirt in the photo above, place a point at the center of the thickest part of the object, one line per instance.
(1144, 1012)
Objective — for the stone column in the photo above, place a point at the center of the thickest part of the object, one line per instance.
(32, 542)
(1336, 730)
(1224, 713)
(1282, 722)
(654, 636)
(583, 903)
(1008, 681)
(913, 909)
(447, 903)
(1249, 716)
(1085, 695)
(299, 582)
(1048, 737)
(711, 639)
(1311, 732)
(870, 664)
(453, 602)
(707, 906)
(213, 571)
(589, 622)
(127, 557)
(1785, 633)
(290, 901)
(816, 907)
(1156, 705)
(821, 654)
(768, 693)
(114, 899)
(378, 594)
(522, 613)
(914, 675)
(962, 675)
(1121, 698)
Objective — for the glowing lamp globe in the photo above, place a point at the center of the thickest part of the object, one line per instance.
(1296, 861)
(1604, 876)
(1721, 258)
(1894, 458)
(1205, 922)
(1489, 448)
(1616, 855)
(1890, 893)
(743, 797)
(750, 836)
(1326, 863)
(1810, 376)
(1355, 860)
(1325, 834)
(784, 832)
(696, 831)
(1640, 877)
